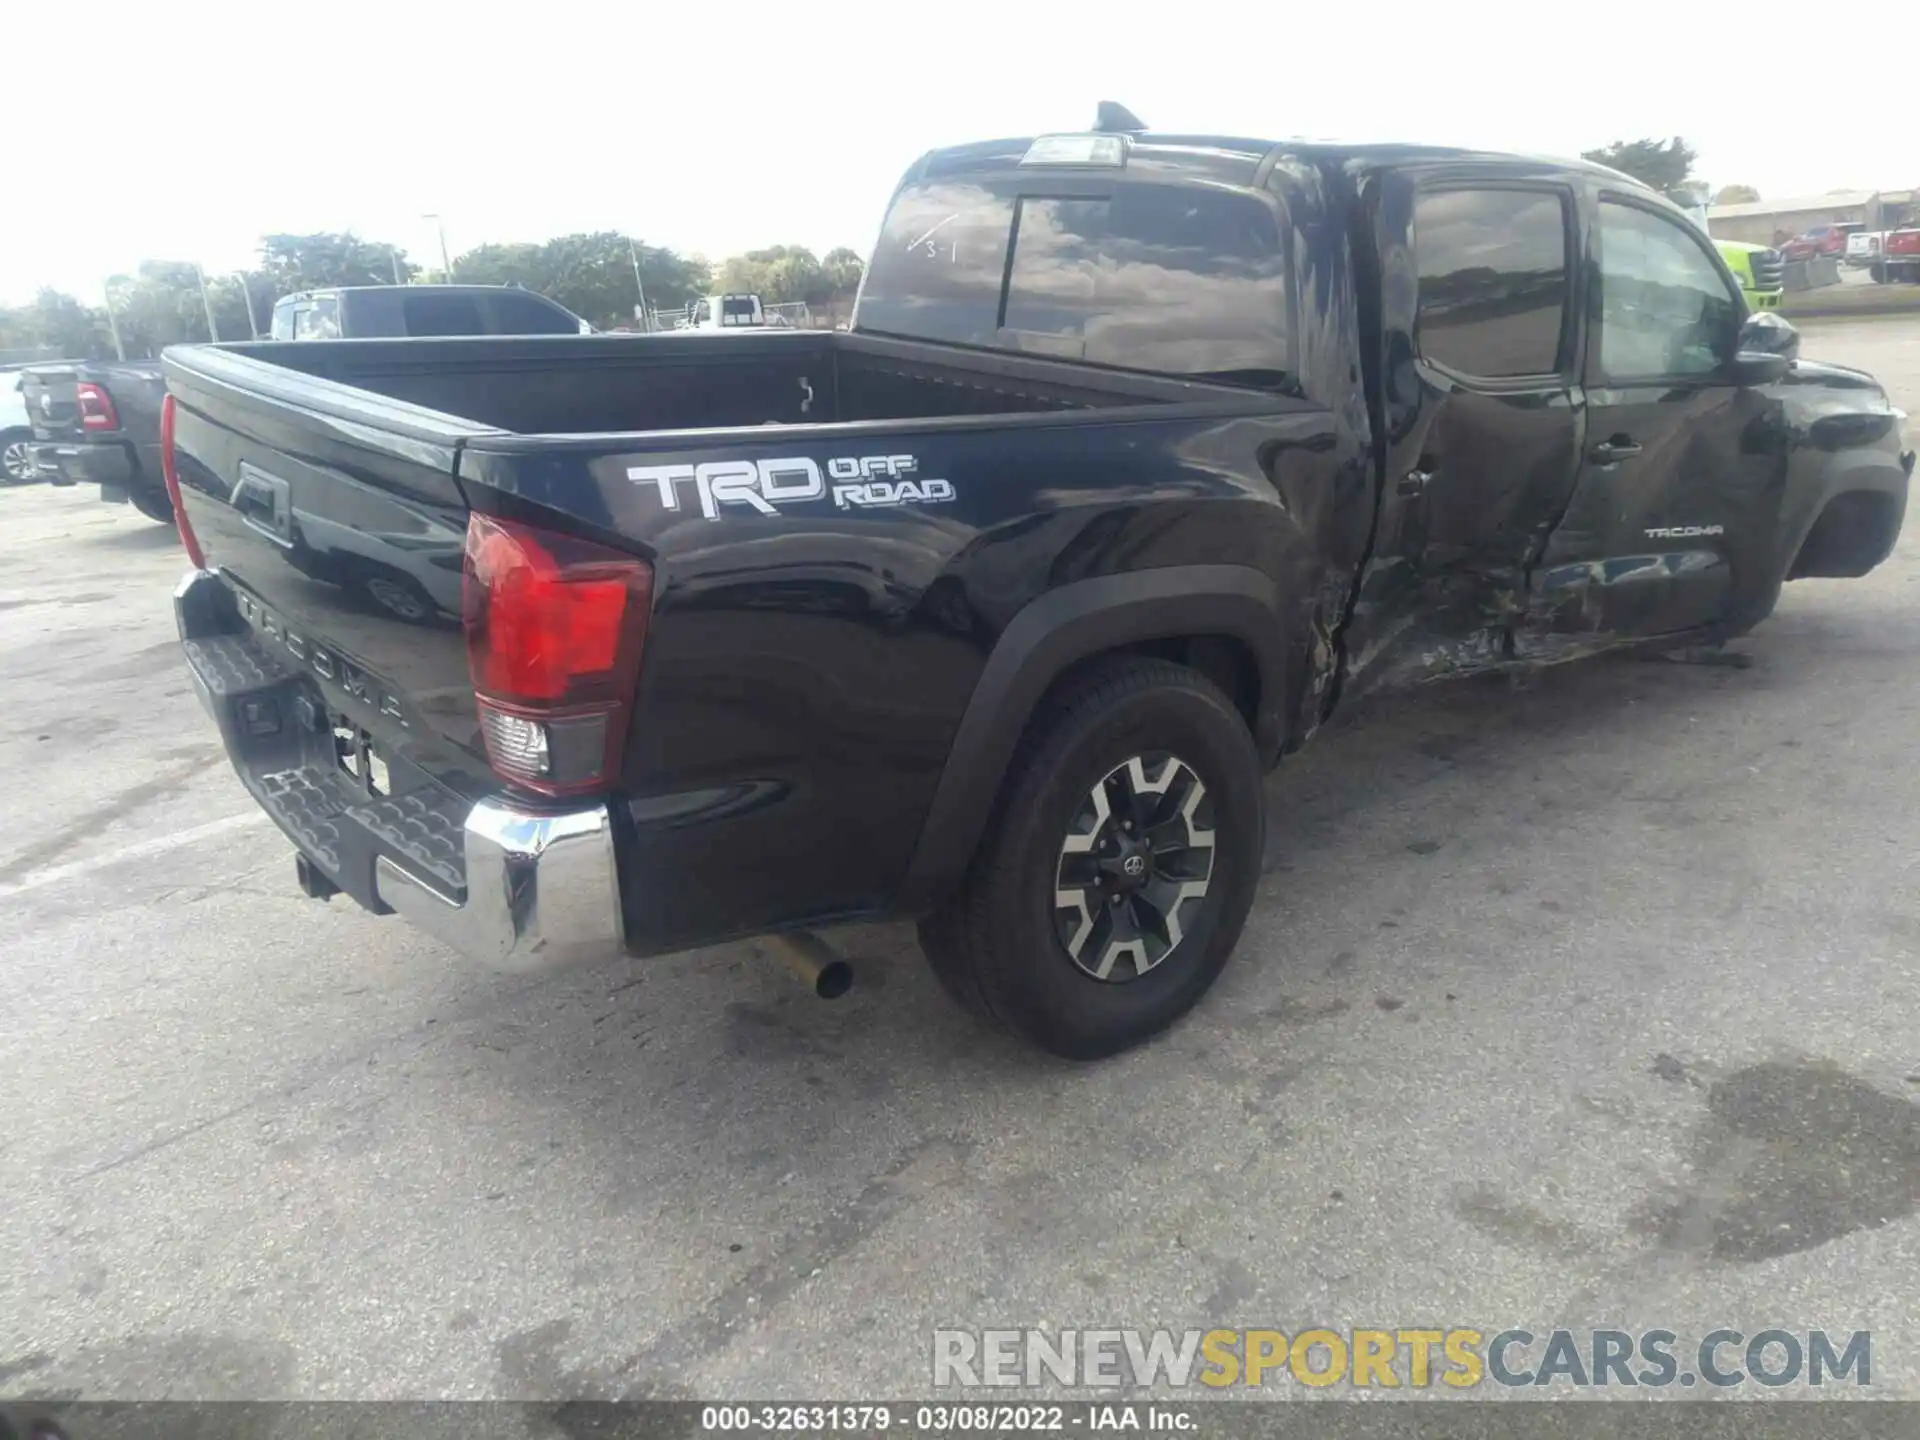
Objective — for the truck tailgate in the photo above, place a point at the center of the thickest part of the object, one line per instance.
(52, 409)
(338, 532)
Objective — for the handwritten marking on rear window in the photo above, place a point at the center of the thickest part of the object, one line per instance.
(932, 249)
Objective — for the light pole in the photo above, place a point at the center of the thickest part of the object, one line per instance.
(206, 303)
(446, 265)
(246, 299)
(106, 291)
(394, 255)
(641, 315)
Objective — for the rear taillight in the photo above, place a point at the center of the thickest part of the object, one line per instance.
(96, 407)
(170, 473)
(555, 627)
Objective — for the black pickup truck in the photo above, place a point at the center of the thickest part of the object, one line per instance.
(97, 422)
(1142, 453)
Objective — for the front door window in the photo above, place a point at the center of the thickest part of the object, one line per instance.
(1665, 310)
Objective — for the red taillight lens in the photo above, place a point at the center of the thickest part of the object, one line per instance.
(555, 627)
(170, 473)
(96, 407)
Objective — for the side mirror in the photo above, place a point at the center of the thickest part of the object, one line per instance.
(1767, 348)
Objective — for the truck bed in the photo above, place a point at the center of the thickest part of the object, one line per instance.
(567, 385)
(805, 654)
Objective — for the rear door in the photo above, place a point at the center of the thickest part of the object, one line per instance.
(1681, 479)
(519, 312)
(1481, 412)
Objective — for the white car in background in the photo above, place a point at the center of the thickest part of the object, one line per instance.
(16, 431)
(1864, 246)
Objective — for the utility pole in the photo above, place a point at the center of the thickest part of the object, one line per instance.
(394, 255)
(446, 265)
(206, 303)
(246, 299)
(641, 313)
(119, 350)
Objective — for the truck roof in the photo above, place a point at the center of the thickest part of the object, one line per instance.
(355, 289)
(1238, 160)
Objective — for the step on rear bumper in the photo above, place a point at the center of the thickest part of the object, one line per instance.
(519, 890)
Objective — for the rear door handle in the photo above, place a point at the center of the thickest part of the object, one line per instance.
(1416, 480)
(1618, 448)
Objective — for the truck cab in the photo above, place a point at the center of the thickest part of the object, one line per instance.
(1144, 458)
(364, 312)
(726, 312)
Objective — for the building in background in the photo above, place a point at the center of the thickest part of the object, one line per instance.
(1771, 222)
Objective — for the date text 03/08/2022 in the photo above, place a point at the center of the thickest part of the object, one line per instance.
(947, 1418)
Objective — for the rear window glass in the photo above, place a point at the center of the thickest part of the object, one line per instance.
(375, 314)
(940, 264)
(515, 313)
(1175, 279)
(429, 312)
(317, 320)
(736, 310)
(1493, 280)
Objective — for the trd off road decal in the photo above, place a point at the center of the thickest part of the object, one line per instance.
(856, 483)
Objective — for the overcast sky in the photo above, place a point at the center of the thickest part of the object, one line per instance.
(185, 130)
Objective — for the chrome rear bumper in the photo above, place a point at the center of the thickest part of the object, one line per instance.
(519, 890)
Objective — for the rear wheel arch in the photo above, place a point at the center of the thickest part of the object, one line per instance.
(1226, 622)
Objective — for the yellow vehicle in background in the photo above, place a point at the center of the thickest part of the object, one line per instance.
(1760, 269)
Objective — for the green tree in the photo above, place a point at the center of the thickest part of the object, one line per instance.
(157, 306)
(1663, 165)
(591, 274)
(1736, 195)
(842, 269)
(303, 262)
(58, 322)
(779, 275)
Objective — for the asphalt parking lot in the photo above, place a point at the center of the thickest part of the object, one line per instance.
(1591, 1003)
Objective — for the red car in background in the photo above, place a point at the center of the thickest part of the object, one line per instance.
(1820, 240)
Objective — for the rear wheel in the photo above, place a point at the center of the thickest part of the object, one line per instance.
(15, 466)
(153, 504)
(1116, 876)
(401, 597)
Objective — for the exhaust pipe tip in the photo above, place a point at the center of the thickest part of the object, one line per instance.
(833, 981)
(815, 963)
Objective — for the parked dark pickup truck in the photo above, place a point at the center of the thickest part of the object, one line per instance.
(97, 422)
(1142, 453)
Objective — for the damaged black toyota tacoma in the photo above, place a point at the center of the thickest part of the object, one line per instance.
(1143, 452)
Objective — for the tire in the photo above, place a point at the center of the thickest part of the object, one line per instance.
(399, 596)
(15, 467)
(1005, 946)
(153, 504)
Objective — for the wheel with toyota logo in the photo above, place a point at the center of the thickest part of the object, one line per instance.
(1119, 867)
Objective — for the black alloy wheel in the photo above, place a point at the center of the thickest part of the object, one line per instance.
(1135, 862)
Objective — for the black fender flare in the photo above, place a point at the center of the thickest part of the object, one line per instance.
(1049, 636)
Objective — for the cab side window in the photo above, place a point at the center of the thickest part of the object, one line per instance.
(1493, 280)
(1663, 307)
(318, 320)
